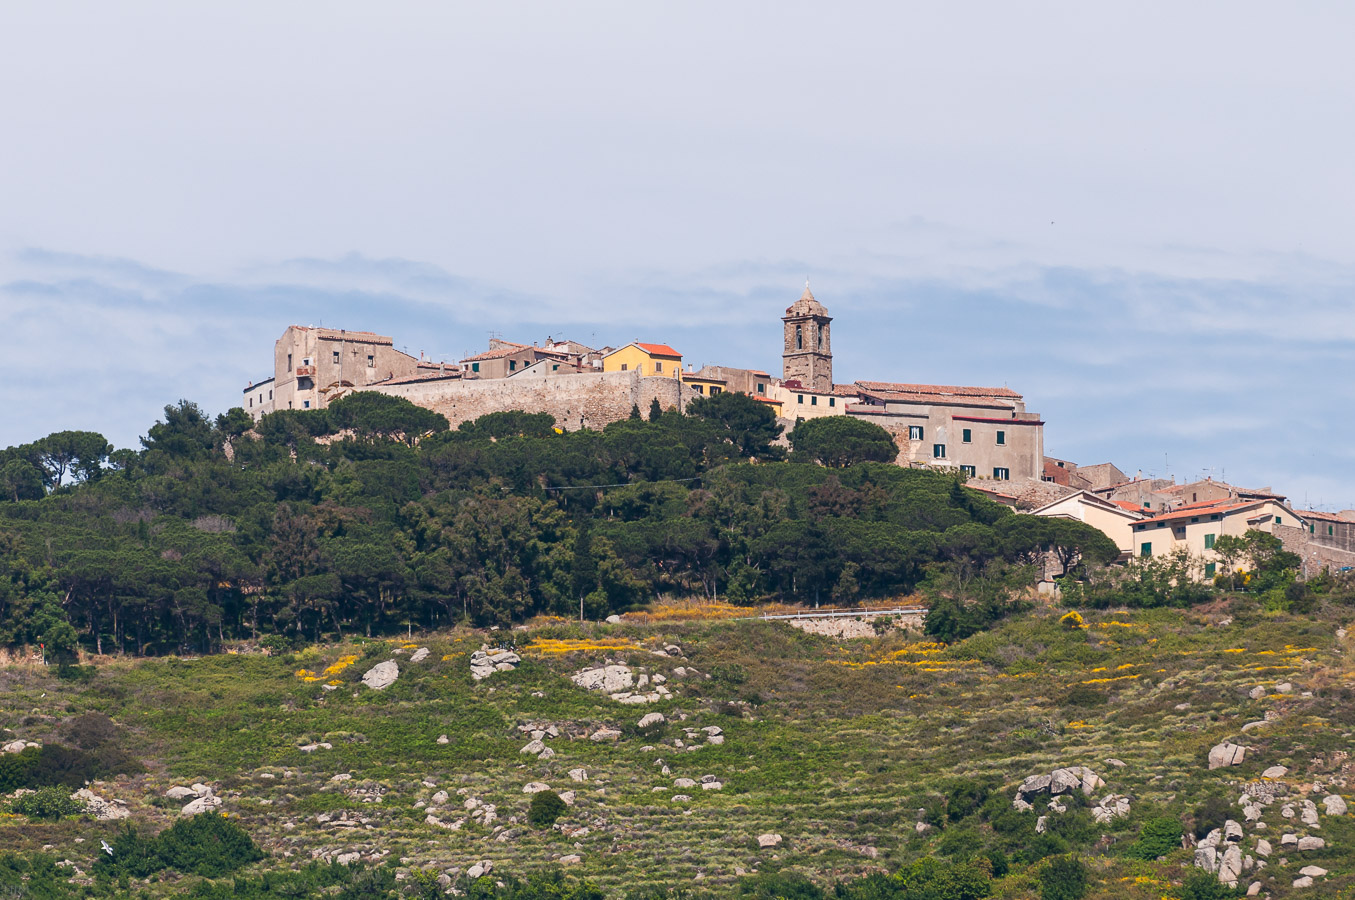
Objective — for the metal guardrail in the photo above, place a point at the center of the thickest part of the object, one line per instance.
(838, 613)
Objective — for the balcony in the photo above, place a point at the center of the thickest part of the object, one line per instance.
(305, 371)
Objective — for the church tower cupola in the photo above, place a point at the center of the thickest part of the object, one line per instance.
(808, 354)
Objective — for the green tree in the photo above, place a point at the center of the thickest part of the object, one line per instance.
(744, 421)
(20, 480)
(81, 454)
(841, 441)
(370, 414)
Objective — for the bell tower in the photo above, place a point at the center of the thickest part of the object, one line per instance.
(808, 354)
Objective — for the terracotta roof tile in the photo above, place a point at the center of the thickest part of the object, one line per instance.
(940, 390)
(658, 350)
(500, 353)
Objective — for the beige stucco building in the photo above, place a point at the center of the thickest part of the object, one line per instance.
(1196, 527)
(1114, 520)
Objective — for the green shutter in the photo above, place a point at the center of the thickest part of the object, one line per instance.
(1208, 570)
(968, 435)
(1209, 542)
(1146, 549)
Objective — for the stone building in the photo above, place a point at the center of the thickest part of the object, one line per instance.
(312, 367)
(1115, 520)
(985, 432)
(808, 354)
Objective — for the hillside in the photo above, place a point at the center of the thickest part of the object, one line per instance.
(862, 754)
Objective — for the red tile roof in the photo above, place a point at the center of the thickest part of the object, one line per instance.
(1217, 507)
(500, 353)
(1125, 504)
(1321, 516)
(659, 350)
(940, 390)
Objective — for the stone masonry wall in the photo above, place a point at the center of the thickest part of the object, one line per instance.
(1316, 556)
(587, 400)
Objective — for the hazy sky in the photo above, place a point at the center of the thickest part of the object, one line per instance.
(1139, 216)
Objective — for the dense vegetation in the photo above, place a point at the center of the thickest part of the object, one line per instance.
(373, 516)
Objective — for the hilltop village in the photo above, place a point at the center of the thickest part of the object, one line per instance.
(983, 433)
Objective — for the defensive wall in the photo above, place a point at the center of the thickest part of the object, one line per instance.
(1316, 555)
(585, 400)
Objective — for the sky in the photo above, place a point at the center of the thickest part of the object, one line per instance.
(1137, 215)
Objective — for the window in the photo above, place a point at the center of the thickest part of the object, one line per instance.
(474, 367)
(699, 390)
(938, 451)
(1209, 542)
(1001, 438)
(336, 357)
(967, 436)
(813, 401)
(306, 361)
(832, 401)
(625, 367)
(1002, 473)
(305, 404)
(1331, 530)
(799, 339)
(969, 470)
(761, 388)
(270, 395)
(658, 367)
(820, 337)
(555, 368)
(251, 402)
(1209, 570)
(1277, 520)
(289, 362)
(799, 398)
(1312, 529)
(1146, 548)
(371, 362)
(512, 365)
(714, 389)
(914, 432)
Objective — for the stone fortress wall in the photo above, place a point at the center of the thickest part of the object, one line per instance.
(584, 400)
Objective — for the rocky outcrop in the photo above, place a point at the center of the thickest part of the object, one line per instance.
(382, 675)
(1226, 754)
(485, 662)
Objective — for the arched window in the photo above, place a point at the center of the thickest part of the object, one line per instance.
(799, 338)
(820, 337)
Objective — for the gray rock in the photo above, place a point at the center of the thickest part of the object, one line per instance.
(1303, 882)
(535, 787)
(1289, 840)
(609, 679)
(613, 620)
(1313, 871)
(534, 748)
(443, 739)
(1035, 784)
(1335, 806)
(1263, 848)
(1275, 772)
(1254, 889)
(1230, 865)
(768, 840)
(1226, 754)
(684, 782)
(1257, 692)
(1232, 831)
(347, 859)
(1284, 687)
(605, 734)
(181, 793)
(1061, 781)
(1308, 844)
(1207, 858)
(649, 719)
(578, 774)
(382, 675)
(570, 859)
(419, 655)
(1115, 762)
(1040, 824)
(201, 805)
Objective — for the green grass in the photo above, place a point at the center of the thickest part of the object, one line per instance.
(831, 746)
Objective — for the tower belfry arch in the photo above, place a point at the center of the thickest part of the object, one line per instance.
(807, 356)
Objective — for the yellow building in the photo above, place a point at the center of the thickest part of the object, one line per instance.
(647, 359)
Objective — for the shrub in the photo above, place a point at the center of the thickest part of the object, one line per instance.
(53, 766)
(91, 730)
(1064, 878)
(1158, 837)
(1211, 814)
(47, 803)
(966, 797)
(545, 809)
(1083, 695)
(1203, 886)
(208, 845)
